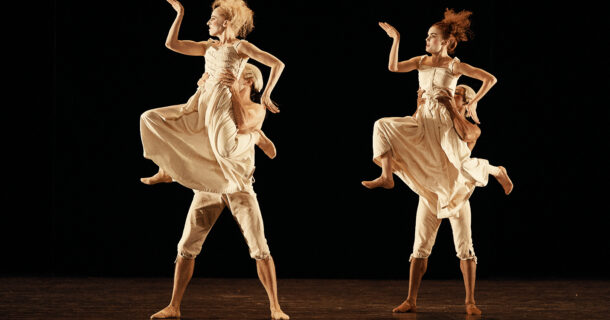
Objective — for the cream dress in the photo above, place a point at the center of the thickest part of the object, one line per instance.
(427, 154)
(197, 143)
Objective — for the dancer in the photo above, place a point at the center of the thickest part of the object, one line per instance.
(198, 144)
(429, 151)
(207, 206)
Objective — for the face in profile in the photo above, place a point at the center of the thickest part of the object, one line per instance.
(460, 97)
(434, 41)
(216, 24)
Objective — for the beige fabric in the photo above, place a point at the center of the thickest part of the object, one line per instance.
(205, 210)
(426, 228)
(197, 143)
(427, 154)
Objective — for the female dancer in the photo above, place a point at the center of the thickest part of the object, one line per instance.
(198, 144)
(426, 151)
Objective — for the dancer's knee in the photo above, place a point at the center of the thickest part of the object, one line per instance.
(467, 254)
(260, 253)
(150, 117)
(380, 124)
(419, 254)
(188, 249)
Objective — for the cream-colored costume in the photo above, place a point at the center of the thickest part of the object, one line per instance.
(426, 228)
(427, 154)
(206, 208)
(197, 143)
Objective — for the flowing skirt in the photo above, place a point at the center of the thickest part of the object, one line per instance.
(429, 156)
(197, 143)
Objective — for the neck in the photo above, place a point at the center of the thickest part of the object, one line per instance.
(438, 56)
(226, 36)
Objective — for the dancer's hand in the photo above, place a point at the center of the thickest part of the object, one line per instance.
(270, 105)
(176, 5)
(391, 31)
(228, 79)
(471, 111)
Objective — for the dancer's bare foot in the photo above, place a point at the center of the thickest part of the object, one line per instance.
(406, 306)
(266, 145)
(387, 183)
(159, 177)
(471, 309)
(277, 314)
(504, 180)
(168, 312)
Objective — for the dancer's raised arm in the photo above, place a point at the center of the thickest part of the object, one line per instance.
(277, 66)
(187, 47)
(488, 81)
(393, 64)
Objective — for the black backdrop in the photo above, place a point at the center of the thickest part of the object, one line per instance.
(83, 211)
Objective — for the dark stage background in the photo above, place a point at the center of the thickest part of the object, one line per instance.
(81, 210)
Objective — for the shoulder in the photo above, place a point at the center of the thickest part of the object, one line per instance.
(418, 60)
(458, 67)
(207, 43)
(243, 44)
(244, 47)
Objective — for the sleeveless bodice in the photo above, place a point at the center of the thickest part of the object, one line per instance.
(221, 58)
(431, 79)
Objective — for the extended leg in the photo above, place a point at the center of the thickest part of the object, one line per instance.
(385, 180)
(265, 144)
(182, 275)
(159, 177)
(501, 175)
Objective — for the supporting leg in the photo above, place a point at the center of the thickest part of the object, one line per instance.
(385, 180)
(418, 268)
(182, 275)
(266, 273)
(469, 271)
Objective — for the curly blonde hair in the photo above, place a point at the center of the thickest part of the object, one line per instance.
(455, 27)
(238, 13)
(254, 73)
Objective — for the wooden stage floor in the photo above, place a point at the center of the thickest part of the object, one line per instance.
(138, 298)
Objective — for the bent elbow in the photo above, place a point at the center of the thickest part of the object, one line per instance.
(393, 69)
(493, 80)
(280, 65)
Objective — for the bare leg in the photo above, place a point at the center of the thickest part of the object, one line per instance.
(159, 177)
(266, 144)
(418, 268)
(469, 271)
(502, 176)
(385, 180)
(182, 276)
(266, 273)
